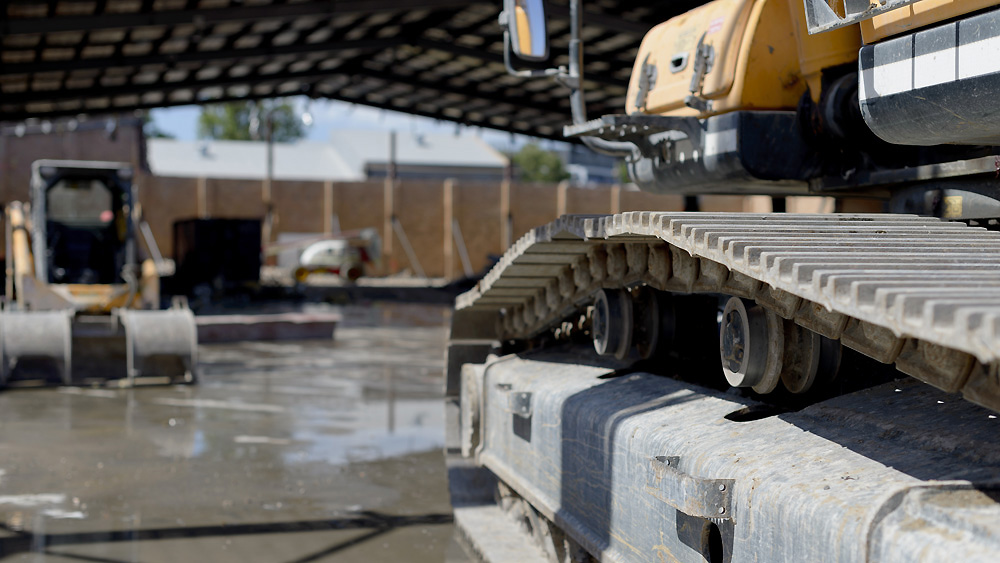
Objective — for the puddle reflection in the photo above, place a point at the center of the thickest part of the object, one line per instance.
(294, 451)
(377, 434)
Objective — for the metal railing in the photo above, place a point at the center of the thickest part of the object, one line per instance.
(824, 15)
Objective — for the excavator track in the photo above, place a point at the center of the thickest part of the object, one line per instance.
(918, 292)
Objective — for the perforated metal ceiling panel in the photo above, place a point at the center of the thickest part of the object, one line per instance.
(437, 58)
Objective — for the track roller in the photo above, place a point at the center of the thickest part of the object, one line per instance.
(809, 359)
(655, 321)
(751, 341)
(612, 323)
(759, 349)
(642, 324)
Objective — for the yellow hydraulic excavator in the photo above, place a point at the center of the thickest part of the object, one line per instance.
(725, 387)
(80, 307)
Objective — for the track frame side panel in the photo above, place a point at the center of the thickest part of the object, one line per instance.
(835, 481)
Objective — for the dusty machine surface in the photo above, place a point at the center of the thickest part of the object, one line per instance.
(656, 386)
(80, 307)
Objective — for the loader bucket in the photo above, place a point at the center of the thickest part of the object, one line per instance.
(36, 345)
(161, 344)
(99, 354)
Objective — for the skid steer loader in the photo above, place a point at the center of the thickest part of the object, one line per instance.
(80, 308)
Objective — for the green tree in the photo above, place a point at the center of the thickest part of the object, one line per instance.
(622, 171)
(231, 121)
(538, 165)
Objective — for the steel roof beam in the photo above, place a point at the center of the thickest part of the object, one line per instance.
(439, 115)
(102, 21)
(488, 56)
(196, 56)
(99, 91)
(399, 71)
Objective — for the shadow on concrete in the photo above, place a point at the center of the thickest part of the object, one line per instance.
(28, 542)
(444, 295)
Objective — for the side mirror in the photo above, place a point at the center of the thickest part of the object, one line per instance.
(525, 21)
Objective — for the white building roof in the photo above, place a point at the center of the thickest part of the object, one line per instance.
(367, 147)
(345, 158)
(247, 160)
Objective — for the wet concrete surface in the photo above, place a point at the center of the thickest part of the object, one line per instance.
(286, 451)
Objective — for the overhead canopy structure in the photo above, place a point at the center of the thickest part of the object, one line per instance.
(437, 58)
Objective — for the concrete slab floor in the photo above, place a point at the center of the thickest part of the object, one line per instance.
(287, 451)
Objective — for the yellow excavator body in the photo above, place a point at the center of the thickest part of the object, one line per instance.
(701, 386)
(919, 15)
(752, 54)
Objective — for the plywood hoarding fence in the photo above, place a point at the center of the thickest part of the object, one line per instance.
(430, 214)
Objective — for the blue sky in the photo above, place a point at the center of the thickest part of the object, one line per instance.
(330, 115)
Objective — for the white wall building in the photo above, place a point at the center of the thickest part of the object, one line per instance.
(350, 156)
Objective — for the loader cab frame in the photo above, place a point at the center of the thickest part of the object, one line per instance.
(82, 228)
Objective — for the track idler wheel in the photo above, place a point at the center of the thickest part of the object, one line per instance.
(654, 317)
(612, 323)
(759, 349)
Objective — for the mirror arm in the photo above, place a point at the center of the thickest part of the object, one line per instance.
(574, 81)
